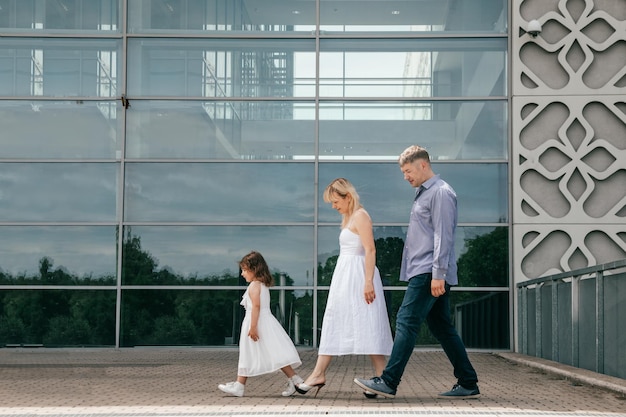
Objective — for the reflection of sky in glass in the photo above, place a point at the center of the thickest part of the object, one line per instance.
(481, 190)
(58, 191)
(80, 250)
(219, 192)
(328, 238)
(70, 129)
(202, 251)
(184, 250)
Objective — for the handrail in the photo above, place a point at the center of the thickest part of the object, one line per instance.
(575, 273)
(529, 327)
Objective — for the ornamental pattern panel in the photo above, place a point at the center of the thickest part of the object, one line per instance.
(569, 199)
(570, 163)
(581, 48)
(569, 135)
(550, 249)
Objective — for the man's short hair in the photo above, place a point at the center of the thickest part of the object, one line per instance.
(412, 154)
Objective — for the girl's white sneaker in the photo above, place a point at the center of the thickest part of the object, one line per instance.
(233, 388)
(291, 385)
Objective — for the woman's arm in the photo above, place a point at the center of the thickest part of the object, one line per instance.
(254, 291)
(362, 224)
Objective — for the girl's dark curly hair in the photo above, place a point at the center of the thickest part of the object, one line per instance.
(255, 262)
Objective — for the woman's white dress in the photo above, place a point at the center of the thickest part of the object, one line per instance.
(273, 350)
(350, 325)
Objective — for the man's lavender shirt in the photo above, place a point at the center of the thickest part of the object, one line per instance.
(429, 244)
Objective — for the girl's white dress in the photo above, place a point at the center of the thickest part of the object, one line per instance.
(273, 350)
(350, 325)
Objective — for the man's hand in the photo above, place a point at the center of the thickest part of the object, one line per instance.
(437, 287)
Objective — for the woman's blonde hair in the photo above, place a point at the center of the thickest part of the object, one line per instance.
(342, 188)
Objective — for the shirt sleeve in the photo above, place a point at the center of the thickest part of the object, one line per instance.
(444, 222)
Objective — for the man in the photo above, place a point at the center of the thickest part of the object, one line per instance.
(429, 265)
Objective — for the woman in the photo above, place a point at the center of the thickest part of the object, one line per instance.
(355, 320)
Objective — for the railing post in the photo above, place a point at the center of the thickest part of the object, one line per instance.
(575, 318)
(538, 312)
(613, 270)
(555, 320)
(600, 322)
(523, 314)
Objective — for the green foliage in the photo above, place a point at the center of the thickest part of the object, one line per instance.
(12, 330)
(64, 331)
(195, 317)
(486, 260)
(170, 330)
(389, 258)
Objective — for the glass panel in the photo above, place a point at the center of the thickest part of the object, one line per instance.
(58, 255)
(221, 68)
(48, 192)
(415, 68)
(449, 130)
(219, 192)
(183, 317)
(59, 15)
(481, 318)
(490, 309)
(57, 318)
(209, 255)
(54, 67)
(482, 254)
(69, 129)
(148, 16)
(389, 243)
(481, 190)
(412, 16)
(220, 130)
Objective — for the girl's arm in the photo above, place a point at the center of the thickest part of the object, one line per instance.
(254, 291)
(362, 224)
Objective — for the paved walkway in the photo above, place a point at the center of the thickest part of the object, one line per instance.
(160, 382)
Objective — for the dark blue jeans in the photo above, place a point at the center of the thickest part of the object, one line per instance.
(419, 305)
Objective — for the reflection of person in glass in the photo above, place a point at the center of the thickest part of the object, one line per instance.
(266, 347)
(429, 265)
(355, 320)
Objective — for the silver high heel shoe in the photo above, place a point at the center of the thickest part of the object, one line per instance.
(304, 388)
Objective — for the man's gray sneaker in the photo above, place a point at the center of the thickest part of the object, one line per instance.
(458, 391)
(377, 386)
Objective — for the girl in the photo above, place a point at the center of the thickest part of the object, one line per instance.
(264, 345)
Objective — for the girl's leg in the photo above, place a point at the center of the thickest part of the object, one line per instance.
(318, 376)
(288, 371)
(378, 363)
(242, 379)
(293, 379)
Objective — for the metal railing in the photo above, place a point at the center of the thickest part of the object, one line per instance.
(577, 318)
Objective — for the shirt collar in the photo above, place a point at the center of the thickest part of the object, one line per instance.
(427, 184)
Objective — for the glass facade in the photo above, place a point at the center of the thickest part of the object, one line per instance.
(147, 145)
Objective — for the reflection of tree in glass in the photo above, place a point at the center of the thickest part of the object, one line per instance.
(485, 263)
(198, 316)
(191, 317)
(388, 257)
(57, 318)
